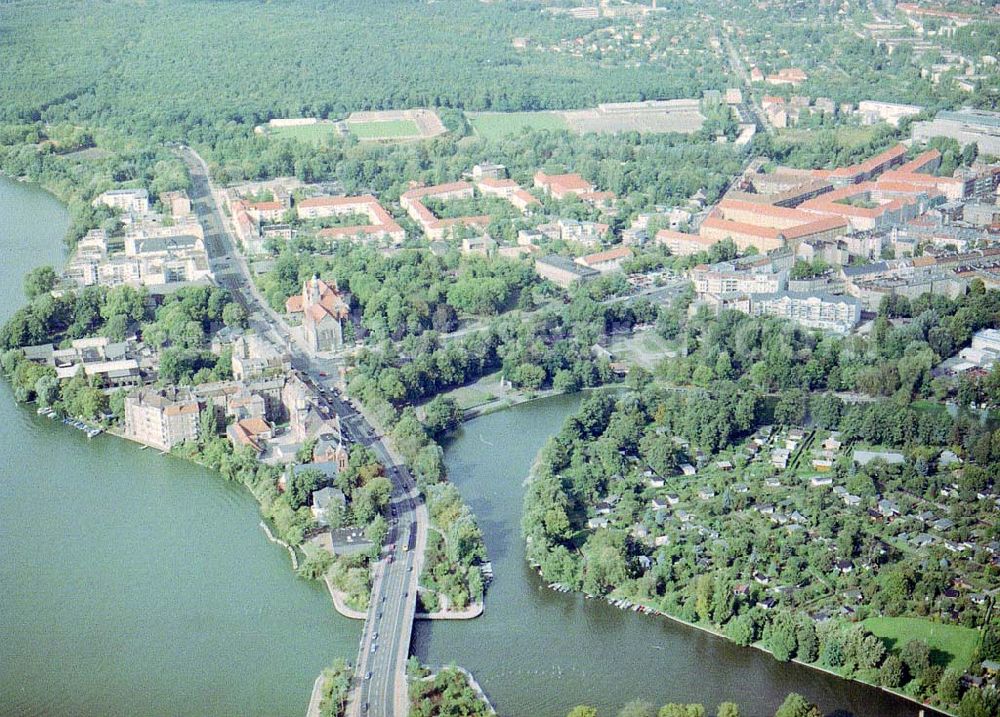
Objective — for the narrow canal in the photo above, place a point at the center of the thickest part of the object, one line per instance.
(133, 583)
(539, 653)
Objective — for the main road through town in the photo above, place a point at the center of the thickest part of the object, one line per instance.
(380, 686)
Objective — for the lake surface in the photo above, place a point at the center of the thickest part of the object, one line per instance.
(538, 653)
(133, 583)
(138, 584)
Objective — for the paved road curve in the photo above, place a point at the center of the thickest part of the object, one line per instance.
(380, 673)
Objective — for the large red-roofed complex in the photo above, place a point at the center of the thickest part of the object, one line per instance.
(507, 189)
(877, 193)
(436, 229)
(766, 227)
(561, 186)
(381, 224)
(681, 244)
(869, 169)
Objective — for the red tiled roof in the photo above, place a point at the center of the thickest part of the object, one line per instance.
(336, 201)
(620, 252)
(254, 426)
(563, 183)
(597, 196)
(763, 210)
(336, 232)
(818, 227)
(266, 206)
(497, 183)
(920, 161)
(919, 178)
(666, 235)
(714, 222)
(871, 164)
(525, 197)
(421, 192)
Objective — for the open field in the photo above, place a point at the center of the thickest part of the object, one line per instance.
(315, 133)
(951, 645)
(653, 117)
(400, 125)
(848, 136)
(611, 118)
(475, 394)
(391, 125)
(645, 348)
(493, 125)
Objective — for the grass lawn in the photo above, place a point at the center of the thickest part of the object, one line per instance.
(928, 406)
(384, 130)
(646, 348)
(315, 133)
(849, 136)
(493, 125)
(475, 394)
(951, 645)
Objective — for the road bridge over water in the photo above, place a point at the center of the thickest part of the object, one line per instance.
(380, 686)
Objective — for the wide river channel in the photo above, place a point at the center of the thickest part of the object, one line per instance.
(137, 584)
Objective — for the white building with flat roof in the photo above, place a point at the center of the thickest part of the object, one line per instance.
(965, 126)
(127, 200)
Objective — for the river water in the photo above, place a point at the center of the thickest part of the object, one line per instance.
(538, 653)
(138, 584)
(133, 583)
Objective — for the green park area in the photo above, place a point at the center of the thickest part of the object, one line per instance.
(314, 133)
(645, 348)
(492, 125)
(845, 136)
(951, 645)
(388, 129)
(475, 394)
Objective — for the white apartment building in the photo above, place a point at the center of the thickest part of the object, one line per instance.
(815, 311)
(135, 201)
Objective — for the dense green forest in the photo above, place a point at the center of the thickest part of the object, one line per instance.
(171, 66)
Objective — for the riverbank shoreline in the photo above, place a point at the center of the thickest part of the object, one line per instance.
(340, 602)
(469, 613)
(473, 683)
(278, 541)
(656, 612)
(337, 597)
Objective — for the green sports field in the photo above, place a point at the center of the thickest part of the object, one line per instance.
(493, 125)
(315, 133)
(389, 129)
(951, 645)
